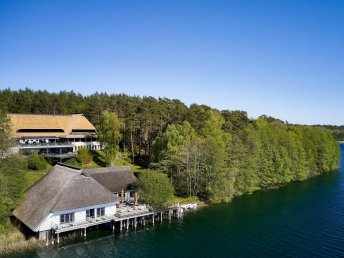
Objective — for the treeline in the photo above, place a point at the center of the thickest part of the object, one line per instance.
(208, 153)
(227, 156)
(337, 131)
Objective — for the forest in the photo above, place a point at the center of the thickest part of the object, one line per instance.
(337, 131)
(207, 153)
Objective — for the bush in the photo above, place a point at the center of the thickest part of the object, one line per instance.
(84, 156)
(72, 162)
(155, 189)
(37, 162)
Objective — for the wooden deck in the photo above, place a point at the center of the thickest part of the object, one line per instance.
(124, 213)
(126, 216)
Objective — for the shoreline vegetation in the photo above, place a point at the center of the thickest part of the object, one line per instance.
(201, 154)
(13, 240)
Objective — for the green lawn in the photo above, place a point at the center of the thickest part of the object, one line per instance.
(34, 175)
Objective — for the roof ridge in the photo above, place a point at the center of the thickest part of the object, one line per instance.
(32, 114)
(67, 166)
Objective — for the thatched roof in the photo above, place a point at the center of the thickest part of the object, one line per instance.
(63, 188)
(113, 178)
(28, 125)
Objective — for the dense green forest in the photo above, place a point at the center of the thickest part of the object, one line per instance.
(212, 154)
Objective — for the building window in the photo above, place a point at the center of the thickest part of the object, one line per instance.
(66, 218)
(90, 213)
(100, 212)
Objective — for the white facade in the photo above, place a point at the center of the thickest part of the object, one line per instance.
(52, 221)
(90, 145)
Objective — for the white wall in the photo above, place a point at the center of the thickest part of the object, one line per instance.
(110, 211)
(89, 145)
(53, 219)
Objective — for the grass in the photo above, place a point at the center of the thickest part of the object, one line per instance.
(33, 176)
(124, 160)
(12, 240)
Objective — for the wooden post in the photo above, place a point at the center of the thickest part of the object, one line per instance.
(58, 238)
(127, 224)
(85, 233)
(153, 218)
(143, 220)
(113, 227)
(121, 225)
(135, 222)
(47, 238)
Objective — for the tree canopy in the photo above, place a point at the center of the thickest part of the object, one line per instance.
(155, 189)
(109, 131)
(214, 155)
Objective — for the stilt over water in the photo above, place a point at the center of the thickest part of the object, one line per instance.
(126, 218)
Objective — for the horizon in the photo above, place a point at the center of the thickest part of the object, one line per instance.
(280, 59)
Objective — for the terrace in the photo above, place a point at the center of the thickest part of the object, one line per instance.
(123, 213)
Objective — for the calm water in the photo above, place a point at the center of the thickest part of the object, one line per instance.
(301, 220)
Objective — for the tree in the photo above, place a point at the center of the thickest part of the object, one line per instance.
(182, 158)
(5, 134)
(12, 173)
(219, 179)
(155, 189)
(109, 132)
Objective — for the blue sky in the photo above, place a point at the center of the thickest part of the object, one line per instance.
(280, 58)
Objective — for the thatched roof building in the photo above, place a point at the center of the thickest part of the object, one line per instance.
(57, 136)
(113, 178)
(63, 188)
(32, 125)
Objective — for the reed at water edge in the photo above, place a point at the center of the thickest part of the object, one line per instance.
(12, 240)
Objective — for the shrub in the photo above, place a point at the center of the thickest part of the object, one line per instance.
(84, 156)
(72, 162)
(37, 162)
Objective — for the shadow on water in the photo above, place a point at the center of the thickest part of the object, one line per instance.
(303, 219)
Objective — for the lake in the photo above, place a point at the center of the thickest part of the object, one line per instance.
(303, 219)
